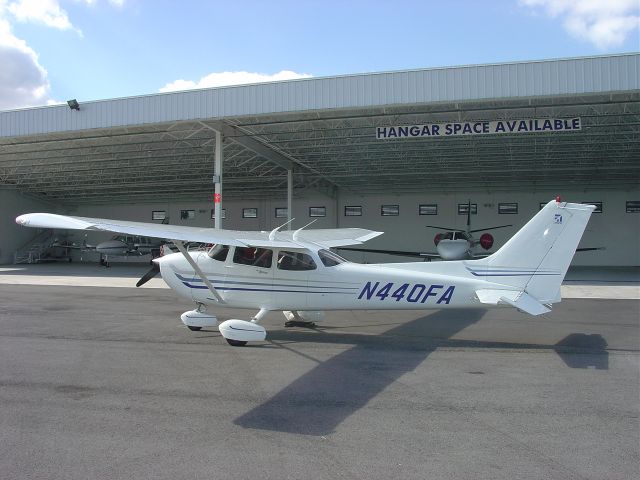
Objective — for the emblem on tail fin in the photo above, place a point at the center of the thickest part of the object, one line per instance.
(557, 218)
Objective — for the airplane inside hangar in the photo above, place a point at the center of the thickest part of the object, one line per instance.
(391, 152)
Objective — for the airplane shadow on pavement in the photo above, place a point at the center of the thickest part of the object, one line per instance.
(581, 350)
(324, 397)
(317, 402)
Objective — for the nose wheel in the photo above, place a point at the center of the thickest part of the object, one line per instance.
(194, 320)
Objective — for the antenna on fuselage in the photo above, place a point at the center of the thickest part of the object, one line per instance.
(295, 234)
(272, 235)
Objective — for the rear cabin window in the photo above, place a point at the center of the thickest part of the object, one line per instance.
(256, 257)
(329, 258)
(295, 261)
(219, 252)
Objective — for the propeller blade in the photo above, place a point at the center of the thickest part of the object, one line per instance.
(444, 228)
(155, 269)
(490, 228)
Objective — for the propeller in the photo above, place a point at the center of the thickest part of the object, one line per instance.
(155, 269)
(486, 241)
(490, 228)
(444, 228)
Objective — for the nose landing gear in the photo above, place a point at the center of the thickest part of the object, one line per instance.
(198, 318)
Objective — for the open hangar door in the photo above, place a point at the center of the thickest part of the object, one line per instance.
(344, 157)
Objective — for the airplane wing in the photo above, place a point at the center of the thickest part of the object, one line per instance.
(324, 237)
(430, 256)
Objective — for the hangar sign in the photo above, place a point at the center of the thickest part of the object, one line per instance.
(451, 129)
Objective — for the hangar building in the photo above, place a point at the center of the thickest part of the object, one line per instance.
(391, 151)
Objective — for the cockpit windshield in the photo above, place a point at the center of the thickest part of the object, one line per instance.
(329, 258)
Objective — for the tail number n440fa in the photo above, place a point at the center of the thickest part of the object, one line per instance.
(416, 293)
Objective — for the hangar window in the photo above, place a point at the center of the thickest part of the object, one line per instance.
(428, 209)
(507, 208)
(542, 204)
(158, 215)
(249, 213)
(353, 211)
(187, 214)
(317, 211)
(633, 206)
(390, 210)
(598, 206)
(256, 257)
(213, 213)
(295, 261)
(463, 208)
(281, 212)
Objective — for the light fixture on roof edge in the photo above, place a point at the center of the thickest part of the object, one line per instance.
(73, 104)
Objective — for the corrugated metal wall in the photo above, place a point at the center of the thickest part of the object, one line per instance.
(526, 79)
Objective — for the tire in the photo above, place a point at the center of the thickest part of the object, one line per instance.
(236, 343)
(194, 329)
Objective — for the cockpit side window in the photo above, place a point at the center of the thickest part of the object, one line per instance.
(219, 252)
(295, 261)
(256, 257)
(329, 258)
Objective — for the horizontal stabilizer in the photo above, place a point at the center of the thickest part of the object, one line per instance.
(518, 299)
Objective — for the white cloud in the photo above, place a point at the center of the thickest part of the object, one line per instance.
(605, 23)
(220, 79)
(46, 12)
(23, 81)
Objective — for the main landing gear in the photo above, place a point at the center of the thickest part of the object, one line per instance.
(236, 332)
(239, 332)
(294, 319)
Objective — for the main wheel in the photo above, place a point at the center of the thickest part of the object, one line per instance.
(236, 343)
(194, 329)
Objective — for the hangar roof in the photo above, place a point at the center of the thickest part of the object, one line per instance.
(161, 147)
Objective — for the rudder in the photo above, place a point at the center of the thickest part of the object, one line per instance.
(537, 257)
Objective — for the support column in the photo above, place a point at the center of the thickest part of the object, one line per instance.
(289, 197)
(217, 180)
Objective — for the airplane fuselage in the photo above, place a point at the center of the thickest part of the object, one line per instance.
(343, 286)
(457, 249)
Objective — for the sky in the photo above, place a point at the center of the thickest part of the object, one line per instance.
(55, 50)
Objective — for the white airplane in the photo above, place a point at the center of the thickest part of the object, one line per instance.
(295, 272)
(127, 245)
(452, 244)
(118, 246)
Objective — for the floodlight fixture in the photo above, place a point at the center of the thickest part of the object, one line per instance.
(73, 104)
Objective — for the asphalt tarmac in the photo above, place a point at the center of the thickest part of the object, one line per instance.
(102, 382)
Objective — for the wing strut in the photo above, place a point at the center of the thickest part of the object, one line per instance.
(200, 273)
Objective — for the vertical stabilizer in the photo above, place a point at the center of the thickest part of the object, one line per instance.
(537, 257)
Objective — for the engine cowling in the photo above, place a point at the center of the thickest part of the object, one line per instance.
(486, 241)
